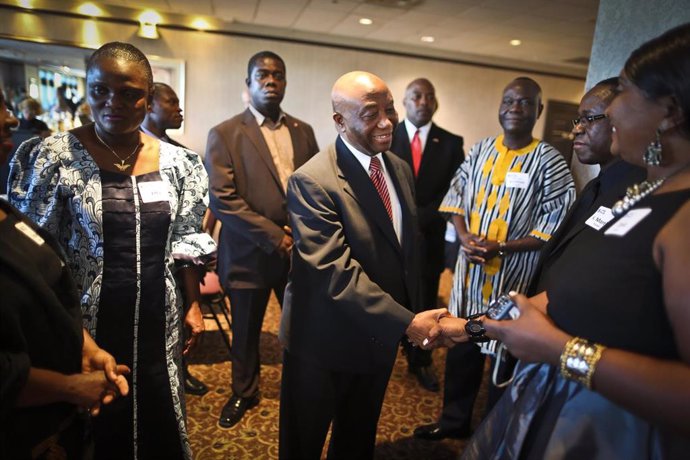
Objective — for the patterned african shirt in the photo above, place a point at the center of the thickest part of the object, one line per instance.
(505, 195)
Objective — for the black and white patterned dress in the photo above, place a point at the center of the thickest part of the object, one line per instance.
(122, 252)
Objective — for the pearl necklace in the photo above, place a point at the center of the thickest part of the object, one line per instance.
(122, 166)
(634, 194)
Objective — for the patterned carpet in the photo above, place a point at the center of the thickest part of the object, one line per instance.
(406, 406)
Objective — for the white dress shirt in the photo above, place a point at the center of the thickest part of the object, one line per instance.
(365, 161)
(423, 132)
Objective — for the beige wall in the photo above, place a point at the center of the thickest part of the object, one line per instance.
(216, 68)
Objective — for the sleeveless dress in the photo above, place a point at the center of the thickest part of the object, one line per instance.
(607, 289)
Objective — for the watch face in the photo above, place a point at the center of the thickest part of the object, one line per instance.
(475, 328)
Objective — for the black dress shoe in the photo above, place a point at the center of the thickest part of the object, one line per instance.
(434, 432)
(193, 385)
(426, 378)
(235, 408)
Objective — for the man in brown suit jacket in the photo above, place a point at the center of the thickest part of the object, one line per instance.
(249, 159)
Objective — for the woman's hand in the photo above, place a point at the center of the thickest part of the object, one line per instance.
(194, 322)
(532, 337)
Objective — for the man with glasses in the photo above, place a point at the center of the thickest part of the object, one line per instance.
(592, 145)
(505, 201)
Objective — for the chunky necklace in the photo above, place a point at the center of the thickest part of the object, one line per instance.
(122, 166)
(634, 194)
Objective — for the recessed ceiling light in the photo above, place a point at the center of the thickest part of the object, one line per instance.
(90, 9)
(366, 21)
(427, 39)
(201, 24)
(516, 42)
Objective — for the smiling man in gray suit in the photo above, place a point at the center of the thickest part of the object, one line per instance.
(249, 159)
(354, 283)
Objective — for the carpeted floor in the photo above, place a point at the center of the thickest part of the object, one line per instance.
(407, 405)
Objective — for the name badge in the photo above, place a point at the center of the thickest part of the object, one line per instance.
(517, 180)
(628, 222)
(29, 233)
(601, 217)
(153, 191)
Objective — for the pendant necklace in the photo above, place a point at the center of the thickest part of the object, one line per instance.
(122, 166)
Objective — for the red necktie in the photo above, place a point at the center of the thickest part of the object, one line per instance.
(416, 147)
(379, 181)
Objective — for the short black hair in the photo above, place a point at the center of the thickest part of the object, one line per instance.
(262, 55)
(157, 85)
(661, 67)
(120, 50)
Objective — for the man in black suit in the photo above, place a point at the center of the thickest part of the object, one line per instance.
(249, 159)
(163, 114)
(433, 155)
(592, 145)
(354, 282)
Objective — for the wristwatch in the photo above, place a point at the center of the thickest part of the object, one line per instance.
(475, 330)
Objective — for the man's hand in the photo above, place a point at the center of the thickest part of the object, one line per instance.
(285, 246)
(422, 323)
(447, 332)
(472, 248)
(194, 322)
(489, 249)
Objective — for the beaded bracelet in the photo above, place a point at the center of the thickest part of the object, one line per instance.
(579, 360)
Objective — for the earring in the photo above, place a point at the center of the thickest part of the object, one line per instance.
(652, 156)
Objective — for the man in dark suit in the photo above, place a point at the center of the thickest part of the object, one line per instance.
(163, 114)
(592, 145)
(249, 159)
(354, 282)
(433, 155)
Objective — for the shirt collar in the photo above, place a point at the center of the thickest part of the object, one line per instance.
(411, 129)
(363, 158)
(260, 118)
(146, 131)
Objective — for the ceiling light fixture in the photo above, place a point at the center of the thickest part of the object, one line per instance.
(201, 24)
(90, 9)
(26, 4)
(366, 21)
(147, 24)
(516, 42)
(428, 39)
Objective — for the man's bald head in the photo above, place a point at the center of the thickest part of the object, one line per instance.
(420, 102)
(520, 107)
(364, 112)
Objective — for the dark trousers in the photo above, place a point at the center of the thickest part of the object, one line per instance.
(247, 308)
(463, 377)
(311, 398)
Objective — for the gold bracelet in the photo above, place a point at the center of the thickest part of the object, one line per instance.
(579, 360)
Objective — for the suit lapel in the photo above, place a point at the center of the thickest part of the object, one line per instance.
(403, 144)
(405, 196)
(433, 141)
(253, 132)
(300, 151)
(356, 183)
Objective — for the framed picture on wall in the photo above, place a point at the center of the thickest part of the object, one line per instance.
(172, 73)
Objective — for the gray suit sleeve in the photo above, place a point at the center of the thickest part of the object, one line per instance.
(321, 244)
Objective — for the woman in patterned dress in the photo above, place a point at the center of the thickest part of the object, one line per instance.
(127, 209)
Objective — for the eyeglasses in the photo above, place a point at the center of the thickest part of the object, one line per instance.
(587, 120)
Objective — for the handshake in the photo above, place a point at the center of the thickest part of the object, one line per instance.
(436, 328)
